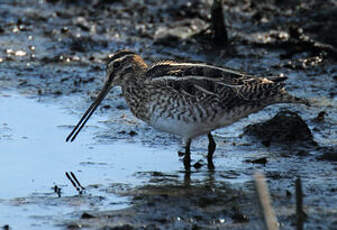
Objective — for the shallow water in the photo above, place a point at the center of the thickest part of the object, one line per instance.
(35, 158)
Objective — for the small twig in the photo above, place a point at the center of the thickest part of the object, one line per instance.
(299, 204)
(57, 190)
(270, 219)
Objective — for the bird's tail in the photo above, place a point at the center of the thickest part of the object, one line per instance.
(284, 97)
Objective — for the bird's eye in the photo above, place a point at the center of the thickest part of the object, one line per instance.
(116, 64)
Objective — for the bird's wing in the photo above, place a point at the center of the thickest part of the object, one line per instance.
(198, 71)
(201, 80)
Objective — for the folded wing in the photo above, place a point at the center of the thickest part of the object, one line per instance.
(201, 81)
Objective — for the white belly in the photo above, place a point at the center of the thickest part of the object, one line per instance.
(191, 129)
(180, 128)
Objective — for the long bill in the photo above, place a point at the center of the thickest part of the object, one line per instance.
(105, 90)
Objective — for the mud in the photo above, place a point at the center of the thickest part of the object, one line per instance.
(286, 128)
(52, 59)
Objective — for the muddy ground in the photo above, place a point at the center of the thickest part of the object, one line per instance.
(52, 55)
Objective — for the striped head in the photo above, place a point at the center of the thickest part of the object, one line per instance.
(123, 66)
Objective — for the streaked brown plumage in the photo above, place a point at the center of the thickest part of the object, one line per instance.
(187, 99)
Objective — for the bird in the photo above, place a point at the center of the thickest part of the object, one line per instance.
(187, 99)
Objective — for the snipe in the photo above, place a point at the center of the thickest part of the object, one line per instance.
(187, 99)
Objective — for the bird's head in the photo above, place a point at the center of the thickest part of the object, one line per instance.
(122, 68)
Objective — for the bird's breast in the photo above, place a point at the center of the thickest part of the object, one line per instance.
(178, 117)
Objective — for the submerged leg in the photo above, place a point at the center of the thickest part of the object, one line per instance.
(187, 157)
(211, 150)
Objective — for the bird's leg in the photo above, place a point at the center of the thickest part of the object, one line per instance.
(187, 156)
(211, 149)
(187, 178)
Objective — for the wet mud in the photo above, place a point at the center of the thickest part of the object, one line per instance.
(286, 128)
(52, 65)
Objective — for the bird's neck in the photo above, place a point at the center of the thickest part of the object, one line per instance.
(135, 94)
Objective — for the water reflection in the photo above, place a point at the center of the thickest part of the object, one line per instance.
(194, 198)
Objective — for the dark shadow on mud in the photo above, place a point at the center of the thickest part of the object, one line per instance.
(174, 204)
